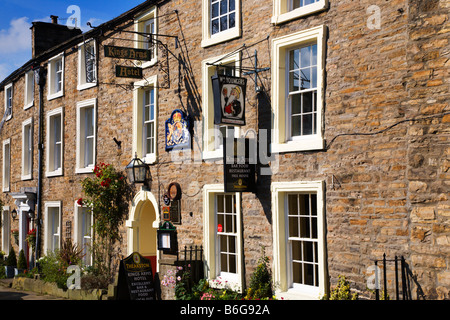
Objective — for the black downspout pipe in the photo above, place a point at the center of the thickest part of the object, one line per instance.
(40, 77)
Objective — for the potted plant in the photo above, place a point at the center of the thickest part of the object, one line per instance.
(11, 263)
(21, 264)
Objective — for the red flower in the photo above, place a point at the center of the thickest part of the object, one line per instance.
(80, 202)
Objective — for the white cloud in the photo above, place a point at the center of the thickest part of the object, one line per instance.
(4, 71)
(17, 38)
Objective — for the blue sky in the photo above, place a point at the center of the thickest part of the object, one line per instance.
(16, 17)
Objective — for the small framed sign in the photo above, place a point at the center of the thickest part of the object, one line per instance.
(167, 238)
(229, 99)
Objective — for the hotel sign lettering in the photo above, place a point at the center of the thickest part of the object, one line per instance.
(129, 72)
(135, 278)
(127, 53)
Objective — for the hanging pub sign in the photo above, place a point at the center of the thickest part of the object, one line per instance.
(129, 72)
(229, 100)
(127, 53)
(177, 131)
(135, 279)
(239, 161)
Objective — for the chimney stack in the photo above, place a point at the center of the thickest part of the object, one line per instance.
(54, 19)
(45, 35)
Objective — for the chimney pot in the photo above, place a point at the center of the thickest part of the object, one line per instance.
(54, 19)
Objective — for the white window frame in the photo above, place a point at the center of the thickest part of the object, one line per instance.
(29, 90)
(210, 243)
(47, 226)
(280, 47)
(6, 229)
(27, 150)
(79, 238)
(50, 135)
(51, 90)
(80, 158)
(9, 88)
(138, 119)
(6, 179)
(209, 39)
(82, 84)
(281, 265)
(139, 26)
(211, 149)
(282, 12)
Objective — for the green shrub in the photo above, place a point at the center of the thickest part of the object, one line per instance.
(53, 270)
(261, 286)
(22, 264)
(341, 291)
(12, 260)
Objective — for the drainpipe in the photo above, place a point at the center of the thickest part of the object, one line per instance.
(40, 79)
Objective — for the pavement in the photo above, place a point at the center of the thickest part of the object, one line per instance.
(8, 293)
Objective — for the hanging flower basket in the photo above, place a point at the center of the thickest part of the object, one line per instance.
(15, 234)
(31, 239)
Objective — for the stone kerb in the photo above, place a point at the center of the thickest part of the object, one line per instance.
(42, 287)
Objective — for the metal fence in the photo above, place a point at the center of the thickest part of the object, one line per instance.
(192, 261)
(404, 281)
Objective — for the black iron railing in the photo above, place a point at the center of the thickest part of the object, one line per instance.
(192, 261)
(402, 282)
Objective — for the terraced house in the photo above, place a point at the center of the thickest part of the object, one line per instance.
(348, 102)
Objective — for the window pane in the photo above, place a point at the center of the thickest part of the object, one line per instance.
(220, 206)
(293, 204)
(304, 227)
(296, 250)
(215, 26)
(229, 203)
(294, 81)
(232, 20)
(232, 264)
(57, 128)
(305, 57)
(223, 23)
(223, 7)
(313, 204)
(89, 116)
(215, 10)
(223, 262)
(309, 274)
(294, 57)
(305, 81)
(293, 227)
(307, 124)
(297, 272)
(89, 152)
(57, 157)
(307, 102)
(232, 5)
(296, 126)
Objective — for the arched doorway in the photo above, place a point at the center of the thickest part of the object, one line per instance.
(142, 225)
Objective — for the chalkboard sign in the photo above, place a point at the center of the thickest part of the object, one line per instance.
(135, 279)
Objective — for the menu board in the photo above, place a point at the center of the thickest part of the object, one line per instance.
(135, 278)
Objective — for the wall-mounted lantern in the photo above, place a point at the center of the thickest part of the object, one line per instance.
(14, 214)
(138, 171)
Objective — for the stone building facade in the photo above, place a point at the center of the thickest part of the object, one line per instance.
(352, 97)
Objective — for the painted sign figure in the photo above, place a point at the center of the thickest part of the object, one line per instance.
(229, 99)
(232, 103)
(177, 131)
